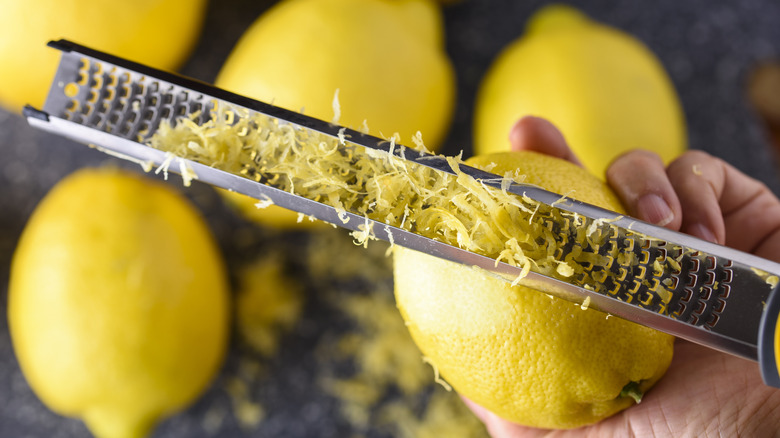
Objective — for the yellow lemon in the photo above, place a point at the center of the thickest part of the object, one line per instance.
(386, 58)
(160, 33)
(602, 87)
(529, 357)
(118, 302)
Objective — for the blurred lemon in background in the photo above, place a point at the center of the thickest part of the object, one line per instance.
(386, 58)
(603, 88)
(118, 302)
(159, 33)
(527, 356)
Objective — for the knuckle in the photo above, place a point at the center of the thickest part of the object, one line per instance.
(637, 157)
(695, 154)
(695, 164)
(631, 161)
(691, 157)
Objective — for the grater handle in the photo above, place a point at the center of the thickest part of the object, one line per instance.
(769, 340)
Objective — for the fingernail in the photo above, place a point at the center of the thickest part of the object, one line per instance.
(652, 208)
(702, 232)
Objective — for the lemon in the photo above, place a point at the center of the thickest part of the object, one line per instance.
(603, 88)
(386, 58)
(118, 303)
(159, 33)
(529, 357)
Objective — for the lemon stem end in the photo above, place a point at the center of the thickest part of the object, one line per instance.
(632, 390)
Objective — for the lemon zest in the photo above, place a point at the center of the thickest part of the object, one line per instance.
(169, 157)
(146, 165)
(436, 377)
(264, 202)
(187, 174)
(453, 208)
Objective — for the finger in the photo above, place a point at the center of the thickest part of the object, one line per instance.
(539, 135)
(720, 201)
(699, 179)
(497, 427)
(640, 181)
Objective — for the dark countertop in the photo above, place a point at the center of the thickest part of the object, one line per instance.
(708, 47)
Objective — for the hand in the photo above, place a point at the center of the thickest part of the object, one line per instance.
(704, 392)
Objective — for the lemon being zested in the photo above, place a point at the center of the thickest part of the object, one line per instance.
(118, 302)
(529, 357)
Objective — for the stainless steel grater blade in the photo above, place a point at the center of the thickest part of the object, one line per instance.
(673, 282)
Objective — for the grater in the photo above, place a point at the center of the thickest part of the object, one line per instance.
(709, 294)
